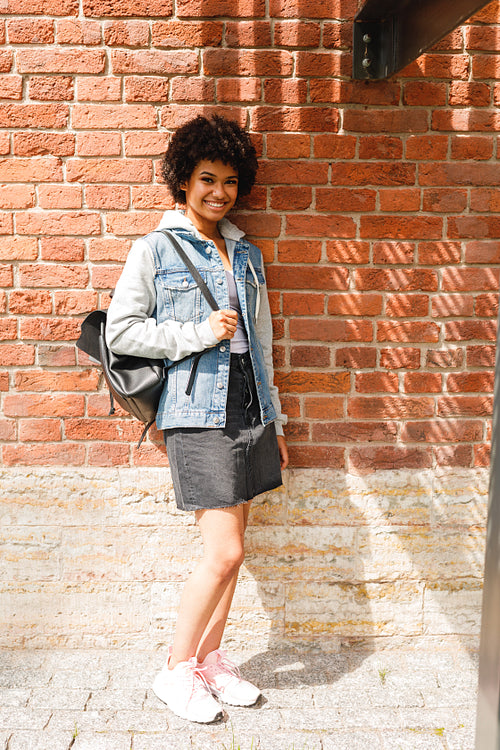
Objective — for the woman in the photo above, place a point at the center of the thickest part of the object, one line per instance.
(224, 434)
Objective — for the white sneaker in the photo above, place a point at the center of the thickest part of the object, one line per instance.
(223, 679)
(186, 692)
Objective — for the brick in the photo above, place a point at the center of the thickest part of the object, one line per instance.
(345, 199)
(49, 329)
(323, 226)
(373, 173)
(331, 330)
(422, 382)
(34, 144)
(365, 305)
(427, 147)
(408, 227)
(465, 406)
(287, 145)
(17, 196)
(444, 358)
(485, 120)
(337, 34)
(110, 454)
(55, 355)
(175, 115)
(149, 89)
(182, 34)
(93, 89)
(152, 196)
(407, 358)
(481, 38)
(425, 94)
(352, 252)
(302, 304)
(193, 89)
(390, 407)
(442, 431)
(11, 87)
(453, 455)
(439, 253)
(118, 117)
(14, 355)
(466, 94)
(474, 227)
(108, 249)
(42, 169)
(208, 8)
(310, 356)
(444, 200)
(60, 196)
(126, 33)
(469, 279)
(217, 62)
(18, 248)
(146, 8)
(332, 146)
(105, 277)
(482, 252)
(30, 31)
(286, 277)
(367, 460)
(439, 66)
(468, 330)
(487, 305)
(247, 34)
(98, 144)
(7, 429)
(154, 62)
(145, 144)
(314, 9)
(297, 34)
(51, 88)
(297, 432)
(393, 253)
(51, 275)
(75, 31)
(8, 329)
(6, 60)
(33, 115)
(331, 63)
(481, 356)
(105, 196)
(62, 248)
(39, 430)
(28, 302)
(313, 119)
(409, 280)
(290, 91)
(407, 305)
(74, 303)
(485, 200)
(452, 305)
(356, 357)
(58, 223)
(43, 405)
(289, 199)
(299, 251)
(6, 275)
(44, 7)
(60, 61)
(386, 121)
(380, 147)
(324, 407)
(50, 454)
(109, 170)
(482, 455)
(135, 223)
(317, 455)
(477, 382)
(354, 432)
(376, 382)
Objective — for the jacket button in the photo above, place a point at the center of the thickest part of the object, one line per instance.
(216, 420)
(219, 280)
(222, 349)
(185, 283)
(209, 250)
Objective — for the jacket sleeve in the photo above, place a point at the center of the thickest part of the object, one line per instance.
(264, 330)
(131, 327)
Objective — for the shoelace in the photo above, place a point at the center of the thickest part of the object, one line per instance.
(191, 673)
(225, 666)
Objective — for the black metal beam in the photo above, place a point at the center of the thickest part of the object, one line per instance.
(389, 34)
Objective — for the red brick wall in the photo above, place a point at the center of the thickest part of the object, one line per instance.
(376, 210)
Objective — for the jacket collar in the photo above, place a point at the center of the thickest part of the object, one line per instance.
(178, 220)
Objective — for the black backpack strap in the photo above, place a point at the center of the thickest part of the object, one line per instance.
(191, 267)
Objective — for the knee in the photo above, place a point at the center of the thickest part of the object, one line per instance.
(226, 564)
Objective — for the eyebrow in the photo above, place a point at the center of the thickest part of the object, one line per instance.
(211, 174)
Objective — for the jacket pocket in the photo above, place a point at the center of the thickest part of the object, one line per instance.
(181, 295)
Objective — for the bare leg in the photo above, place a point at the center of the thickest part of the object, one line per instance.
(222, 531)
(214, 631)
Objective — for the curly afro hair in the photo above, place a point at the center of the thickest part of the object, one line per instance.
(212, 139)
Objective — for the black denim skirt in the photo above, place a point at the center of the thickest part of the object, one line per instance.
(222, 467)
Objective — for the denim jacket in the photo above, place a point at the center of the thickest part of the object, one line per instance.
(159, 311)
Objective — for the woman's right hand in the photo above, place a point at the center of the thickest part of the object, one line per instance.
(223, 323)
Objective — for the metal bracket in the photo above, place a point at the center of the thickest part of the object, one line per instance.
(389, 34)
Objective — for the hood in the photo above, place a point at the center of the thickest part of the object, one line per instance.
(179, 220)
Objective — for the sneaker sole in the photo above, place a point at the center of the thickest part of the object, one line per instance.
(221, 697)
(218, 715)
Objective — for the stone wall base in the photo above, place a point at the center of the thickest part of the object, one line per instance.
(97, 558)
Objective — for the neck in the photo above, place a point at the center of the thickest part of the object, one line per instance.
(207, 229)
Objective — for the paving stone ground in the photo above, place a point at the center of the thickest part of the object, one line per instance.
(354, 700)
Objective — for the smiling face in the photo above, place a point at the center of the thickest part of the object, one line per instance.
(211, 192)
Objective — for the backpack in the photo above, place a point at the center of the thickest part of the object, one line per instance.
(137, 383)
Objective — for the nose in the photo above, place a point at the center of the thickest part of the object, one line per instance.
(218, 190)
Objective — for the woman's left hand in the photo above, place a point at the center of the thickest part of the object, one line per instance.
(283, 451)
